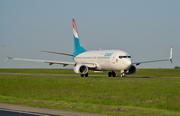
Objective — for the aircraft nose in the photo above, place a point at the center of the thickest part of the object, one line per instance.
(128, 63)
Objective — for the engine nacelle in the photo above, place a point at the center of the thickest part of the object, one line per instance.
(131, 70)
(80, 69)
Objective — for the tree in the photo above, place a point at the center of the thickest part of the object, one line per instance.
(176, 67)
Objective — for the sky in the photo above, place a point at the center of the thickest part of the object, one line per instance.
(146, 29)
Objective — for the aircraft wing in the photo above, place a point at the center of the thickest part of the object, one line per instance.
(45, 61)
(90, 65)
(138, 63)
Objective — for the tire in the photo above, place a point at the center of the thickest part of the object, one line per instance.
(109, 74)
(86, 75)
(114, 74)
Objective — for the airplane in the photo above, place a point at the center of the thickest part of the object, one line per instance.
(96, 60)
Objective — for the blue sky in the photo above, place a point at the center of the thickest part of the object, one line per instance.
(146, 29)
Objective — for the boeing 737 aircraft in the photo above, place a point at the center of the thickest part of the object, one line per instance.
(97, 60)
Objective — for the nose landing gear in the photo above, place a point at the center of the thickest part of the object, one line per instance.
(111, 74)
(123, 75)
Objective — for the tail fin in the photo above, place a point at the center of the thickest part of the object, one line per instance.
(77, 46)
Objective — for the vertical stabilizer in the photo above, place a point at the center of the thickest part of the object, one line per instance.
(77, 46)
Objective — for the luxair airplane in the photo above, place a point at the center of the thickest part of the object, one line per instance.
(97, 60)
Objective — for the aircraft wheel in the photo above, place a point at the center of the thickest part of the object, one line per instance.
(86, 75)
(109, 74)
(82, 75)
(114, 74)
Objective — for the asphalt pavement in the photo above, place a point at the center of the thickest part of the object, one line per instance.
(19, 110)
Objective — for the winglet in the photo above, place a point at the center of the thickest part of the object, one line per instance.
(6, 54)
(171, 55)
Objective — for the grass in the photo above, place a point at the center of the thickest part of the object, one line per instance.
(38, 71)
(111, 96)
(157, 73)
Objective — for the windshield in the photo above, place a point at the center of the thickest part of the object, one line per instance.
(124, 57)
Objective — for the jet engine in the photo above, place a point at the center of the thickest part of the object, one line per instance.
(80, 69)
(131, 70)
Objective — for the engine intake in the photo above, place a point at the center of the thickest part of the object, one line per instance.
(131, 70)
(80, 69)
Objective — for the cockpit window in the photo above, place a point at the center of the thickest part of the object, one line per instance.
(120, 57)
(124, 57)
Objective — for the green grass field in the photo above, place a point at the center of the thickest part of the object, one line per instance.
(157, 92)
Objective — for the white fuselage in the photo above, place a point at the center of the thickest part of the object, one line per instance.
(109, 60)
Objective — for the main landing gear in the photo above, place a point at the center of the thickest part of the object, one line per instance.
(111, 74)
(86, 75)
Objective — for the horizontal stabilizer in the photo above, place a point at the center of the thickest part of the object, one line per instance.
(58, 53)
